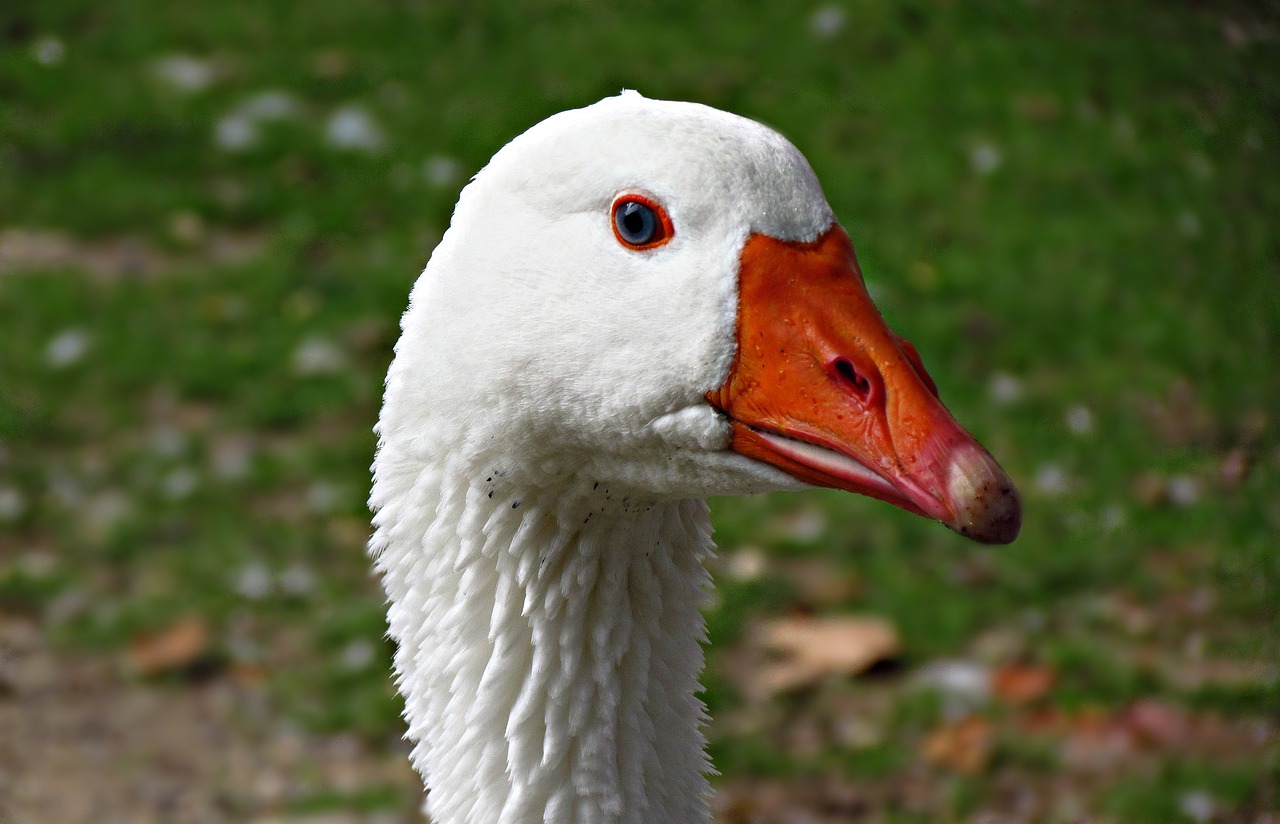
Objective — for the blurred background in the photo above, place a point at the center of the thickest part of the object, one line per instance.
(210, 218)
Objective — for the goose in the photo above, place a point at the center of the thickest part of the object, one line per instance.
(637, 304)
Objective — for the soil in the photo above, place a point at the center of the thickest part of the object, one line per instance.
(81, 742)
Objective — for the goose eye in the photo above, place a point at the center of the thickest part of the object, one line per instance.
(639, 223)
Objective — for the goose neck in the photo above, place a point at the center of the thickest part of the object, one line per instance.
(549, 647)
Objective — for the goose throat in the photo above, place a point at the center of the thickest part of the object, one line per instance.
(549, 642)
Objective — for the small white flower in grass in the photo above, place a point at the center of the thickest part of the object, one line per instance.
(985, 158)
(747, 563)
(357, 655)
(1197, 805)
(962, 685)
(322, 497)
(167, 441)
(239, 129)
(352, 127)
(1079, 420)
(857, 732)
(804, 524)
(1051, 480)
(186, 227)
(298, 580)
(317, 356)
(179, 483)
(253, 581)
(183, 73)
(66, 489)
(67, 348)
(38, 564)
(1184, 490)
(231, 457)
(1112, 518)
(12, 504)
(235, 132)
(826, 22)
(1005, 389)
(272, 104)
(49, 51)
(441, 171)
(107, 510)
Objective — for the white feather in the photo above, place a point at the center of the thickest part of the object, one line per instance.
(544, 451)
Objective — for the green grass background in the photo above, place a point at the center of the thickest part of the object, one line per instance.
(1078, 198)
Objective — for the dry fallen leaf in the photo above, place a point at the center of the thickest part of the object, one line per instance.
(964, 746)
(1234, 467)
(809, 650)
(1156, 723)
(1150, 489)
(1042, 107)
(178, 646)
(1022, 683)
(1095, 742)
(348, 532)
(1181, 418)
(1043, 721)
(818, 583)
(248, 675)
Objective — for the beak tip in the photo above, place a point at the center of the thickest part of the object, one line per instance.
(986, 504)
(998, 523)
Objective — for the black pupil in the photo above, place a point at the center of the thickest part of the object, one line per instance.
(636, 223)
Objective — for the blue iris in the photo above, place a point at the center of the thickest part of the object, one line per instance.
(637, 223)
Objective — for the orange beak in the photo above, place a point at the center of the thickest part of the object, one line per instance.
(823, 390)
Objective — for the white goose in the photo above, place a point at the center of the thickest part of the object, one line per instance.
(638, 304)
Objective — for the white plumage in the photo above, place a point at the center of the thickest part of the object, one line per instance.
(545, 446)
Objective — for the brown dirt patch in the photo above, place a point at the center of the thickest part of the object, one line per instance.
(78, 741)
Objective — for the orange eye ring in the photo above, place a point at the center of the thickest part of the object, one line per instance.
(640, 223)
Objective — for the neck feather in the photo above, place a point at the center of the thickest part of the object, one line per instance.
(549, 647)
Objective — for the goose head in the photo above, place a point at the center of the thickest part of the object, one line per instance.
(657, 293)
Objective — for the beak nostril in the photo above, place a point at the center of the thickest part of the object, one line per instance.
(853, 381)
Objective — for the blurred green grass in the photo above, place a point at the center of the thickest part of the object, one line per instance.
(1070, 211)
